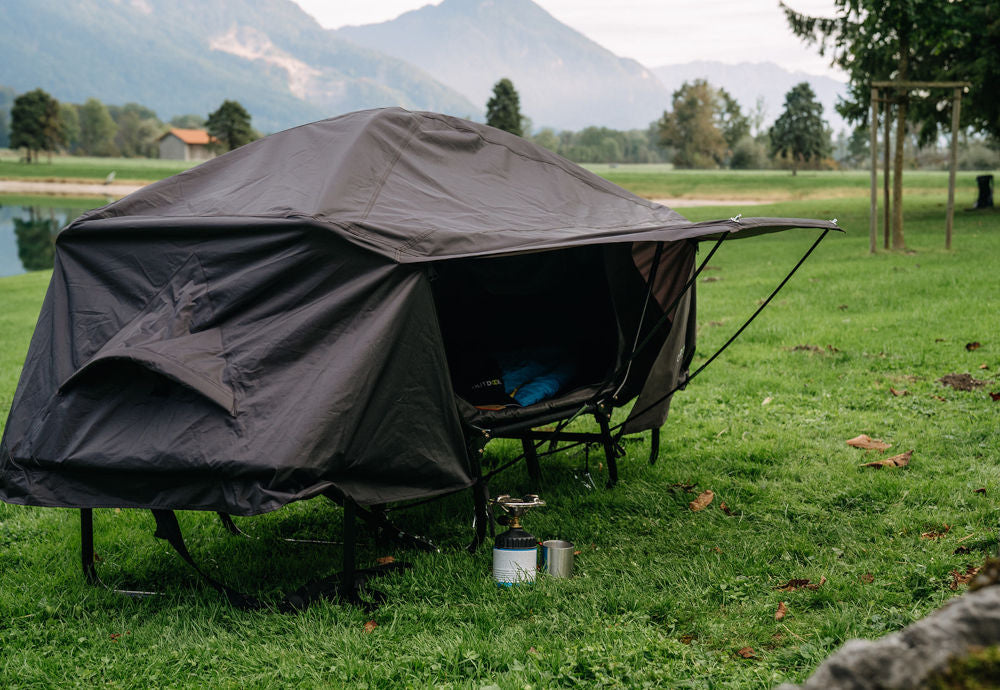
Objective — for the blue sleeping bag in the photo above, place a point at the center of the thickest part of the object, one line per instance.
(531, 375)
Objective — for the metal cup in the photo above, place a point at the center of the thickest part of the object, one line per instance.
(557, 558)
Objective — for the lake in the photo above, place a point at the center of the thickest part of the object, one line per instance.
(28, 228)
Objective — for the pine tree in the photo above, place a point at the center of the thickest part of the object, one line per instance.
(230, 125)
(503, 110)
(800, 131)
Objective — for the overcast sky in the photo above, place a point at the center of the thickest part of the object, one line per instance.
(654, 32)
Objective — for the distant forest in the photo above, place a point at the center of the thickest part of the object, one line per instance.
(132, 130)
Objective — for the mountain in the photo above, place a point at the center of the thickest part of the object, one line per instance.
(187, 56)
(748, 80)
(565, 80)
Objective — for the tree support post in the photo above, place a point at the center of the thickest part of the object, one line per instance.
(956, 107)
(873, 214)
(887, 204)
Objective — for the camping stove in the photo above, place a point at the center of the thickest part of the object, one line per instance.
(515, 552)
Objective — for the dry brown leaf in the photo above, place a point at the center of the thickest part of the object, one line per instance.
(793, 584)
(984, 365)
(868, 578)
(841, 307)
(716, 549)
(746, 653)
(710, 279)
(807, 348)
(980, 490)
(782, 610)
(865, 442)
(938, 397)
(939, 340)
(936, 535)
(961, 549)
(995, 396)
(684, 487)
(973, 346)
(686, 639)
(704, 499)
(901, 460)
(532, 650)
(385, 560)
(965, 578)
(370, 626)
(725, 509)
(897, 393)
(577, 553)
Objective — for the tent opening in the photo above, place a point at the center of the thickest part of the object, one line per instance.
(520, 330)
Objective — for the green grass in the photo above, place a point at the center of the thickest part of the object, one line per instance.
(84, 169)
(663, 597)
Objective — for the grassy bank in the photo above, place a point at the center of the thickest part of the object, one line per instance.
(663, 596)
(96, 170)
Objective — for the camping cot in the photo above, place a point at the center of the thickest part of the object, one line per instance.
(328, 310)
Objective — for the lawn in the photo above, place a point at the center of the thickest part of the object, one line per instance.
(664, 596)
(84, 169)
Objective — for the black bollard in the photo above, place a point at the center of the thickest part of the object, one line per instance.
(985, 199)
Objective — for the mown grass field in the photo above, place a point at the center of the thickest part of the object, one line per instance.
(663, 597)
(85, 169)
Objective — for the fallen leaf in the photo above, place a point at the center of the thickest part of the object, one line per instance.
(782, 610)
(961, 382)
(961, 549)
(897, 393)
(370, 626)
(980, 490)
(686, 639)
(716, 323)
(822, 581)
(710, 279)
(532, 650)
(938, 397)
(704, 499)
(939, 340)
(115, 636)
(865, 442)
(792, 585)
(831, 348)
(767, 400)
(385, 560)
(746, 653)
(965, 578)
(995, 396)
(868, 578)
(577, 553)
(936, 535)
(600, 467)
(716, 549)
(725, 509)
(684, 487)
(841, 307)
(901, 460)
(807, 348)
(984, 366)
(972, 346)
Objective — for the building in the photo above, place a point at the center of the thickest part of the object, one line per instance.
(186, 145)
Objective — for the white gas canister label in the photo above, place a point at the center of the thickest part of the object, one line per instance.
(512, 566)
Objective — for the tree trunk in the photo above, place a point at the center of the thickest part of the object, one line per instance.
(897, 174)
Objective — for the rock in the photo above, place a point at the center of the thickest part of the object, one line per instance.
(905, 659)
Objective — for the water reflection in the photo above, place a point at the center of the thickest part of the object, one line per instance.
(28, 232)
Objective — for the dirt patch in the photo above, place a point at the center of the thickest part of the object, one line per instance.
(681, 203)
(66, 188)
(961, 382)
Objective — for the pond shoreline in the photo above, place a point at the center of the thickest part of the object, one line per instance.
(77, 189)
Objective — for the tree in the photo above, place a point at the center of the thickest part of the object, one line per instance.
(230, 125)
(97, 129)
(503, 110)
(34, 123)
(189, 121)
(7, 96)
(703, 125)
(908, 40)
(69, 121)
(138, 128)
(800, 131)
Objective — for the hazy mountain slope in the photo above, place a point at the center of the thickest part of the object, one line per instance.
(746, 81)
(184, 56)
(565, 80)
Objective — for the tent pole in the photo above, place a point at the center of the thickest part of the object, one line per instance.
(531, 460)
(956, 107)
(348, 580)
(610, 454)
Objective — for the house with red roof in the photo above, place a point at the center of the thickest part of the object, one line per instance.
(187, 145)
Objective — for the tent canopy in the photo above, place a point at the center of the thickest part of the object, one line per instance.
(263, 327)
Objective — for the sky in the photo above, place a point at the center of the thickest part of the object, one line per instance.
(654, 32)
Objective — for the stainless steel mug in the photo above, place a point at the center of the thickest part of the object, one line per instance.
(557, 558)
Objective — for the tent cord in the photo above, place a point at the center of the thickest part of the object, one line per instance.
(731, 339)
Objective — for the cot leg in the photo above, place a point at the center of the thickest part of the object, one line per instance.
(87, 545)
(654, 445)
(610, 452)
(531, 460)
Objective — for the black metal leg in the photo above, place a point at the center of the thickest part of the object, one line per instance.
(350, 542)
(654, 445)
(531, 460)
(87, 545)
(610, 452)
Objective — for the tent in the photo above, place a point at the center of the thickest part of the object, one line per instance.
(295, 317)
